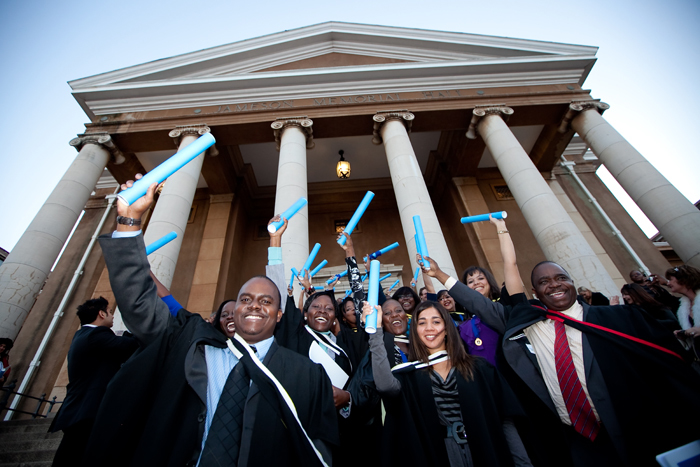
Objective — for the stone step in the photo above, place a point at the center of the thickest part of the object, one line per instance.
(15, 437)
(41, 455)
(33, 428)
(28, 421)
(29, 445)
(27, 464)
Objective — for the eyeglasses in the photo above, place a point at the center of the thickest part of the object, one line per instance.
(404, 297)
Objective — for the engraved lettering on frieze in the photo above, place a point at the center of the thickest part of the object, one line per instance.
(358, 99)
(441, 94)
(287, 104)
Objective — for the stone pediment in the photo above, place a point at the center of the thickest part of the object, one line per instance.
(332, 58)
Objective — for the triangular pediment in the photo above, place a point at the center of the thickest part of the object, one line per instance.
(334, 60)
(330, 57)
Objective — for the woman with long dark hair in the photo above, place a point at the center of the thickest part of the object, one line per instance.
(445, 407)
(634, 294)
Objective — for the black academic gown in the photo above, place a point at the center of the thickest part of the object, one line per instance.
(644, 396)
(292, 334)
(154, 410)
(413, 435)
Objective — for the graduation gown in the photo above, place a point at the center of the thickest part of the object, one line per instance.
(154, 410)
(413, 434)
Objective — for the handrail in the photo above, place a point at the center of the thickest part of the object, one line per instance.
(9, 389)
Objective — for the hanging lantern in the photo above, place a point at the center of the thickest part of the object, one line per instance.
(343, 167)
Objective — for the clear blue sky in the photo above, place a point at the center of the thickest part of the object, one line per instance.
(647, 66)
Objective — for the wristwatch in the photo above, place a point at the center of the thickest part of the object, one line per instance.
(128, 221)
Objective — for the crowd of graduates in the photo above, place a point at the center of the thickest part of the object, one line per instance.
(479, 374)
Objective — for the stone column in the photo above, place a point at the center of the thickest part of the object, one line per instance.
(412, 198)
(173, 207)
(560, 239)
(293, 137)
(677, 219)
(24, 271)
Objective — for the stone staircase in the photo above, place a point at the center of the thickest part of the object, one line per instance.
(27, 443)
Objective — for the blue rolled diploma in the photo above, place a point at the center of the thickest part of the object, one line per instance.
(167, 168)
(385, 277)
(352, 223)
(394, 285)
(318, 268)
(288, 214)
(420, 236)
(311, 258)
(484, 217)
(379, 253)
(364, 277)
(415, 276)
(373, 296)
(336, 277)
(347, 293)
(162, 241)
(295, 273)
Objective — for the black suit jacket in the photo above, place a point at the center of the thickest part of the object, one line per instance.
(95, 356)
(638, 392)
(154, 410)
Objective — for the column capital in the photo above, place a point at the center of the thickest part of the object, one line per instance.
(380, 118)
(197, 130)
(481, 111)
(304, 123)
(576, 107)
(102, 139)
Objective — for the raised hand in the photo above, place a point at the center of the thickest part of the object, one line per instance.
(276, 238)
(136, 209)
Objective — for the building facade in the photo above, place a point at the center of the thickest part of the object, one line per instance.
(437, 124)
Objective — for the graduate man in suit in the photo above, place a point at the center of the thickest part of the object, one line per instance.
(95, 356)
(195, 395)
(602, 385)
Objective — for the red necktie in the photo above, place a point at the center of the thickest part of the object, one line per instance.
(580, 411)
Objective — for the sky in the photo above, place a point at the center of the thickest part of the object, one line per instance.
(647, 68)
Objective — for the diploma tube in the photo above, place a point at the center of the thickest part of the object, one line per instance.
(385, 277)
(320, 266)
(373, 296)
(364, 277)
(311, 258)
(167, 168)
(347, 293)
(162, 241)
(336, 277)
(415, 276)
(484, 217)
(394, 285)
(352, 223)
(420, 236)
(379, 253)
(288, 214)
(295, 273)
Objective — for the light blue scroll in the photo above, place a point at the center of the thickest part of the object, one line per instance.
(364, 277)
(394, 285)
(336, 277)
(295, 273)
(420, 236)
(352, 223)
(318, 268)
(373, 296)
(483, 217)
(385, 277)
(288, 214)
(311, 258)
(347, 293)
(167, 168)
(415, 276)
(379, 253)
(162, 241)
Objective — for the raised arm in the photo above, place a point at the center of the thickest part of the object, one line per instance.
(514, 284)
(385, 382)
(144, 313)
(275, 265)
(491, 313)
(358, 293)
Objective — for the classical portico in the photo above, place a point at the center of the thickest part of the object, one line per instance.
(436, 124)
